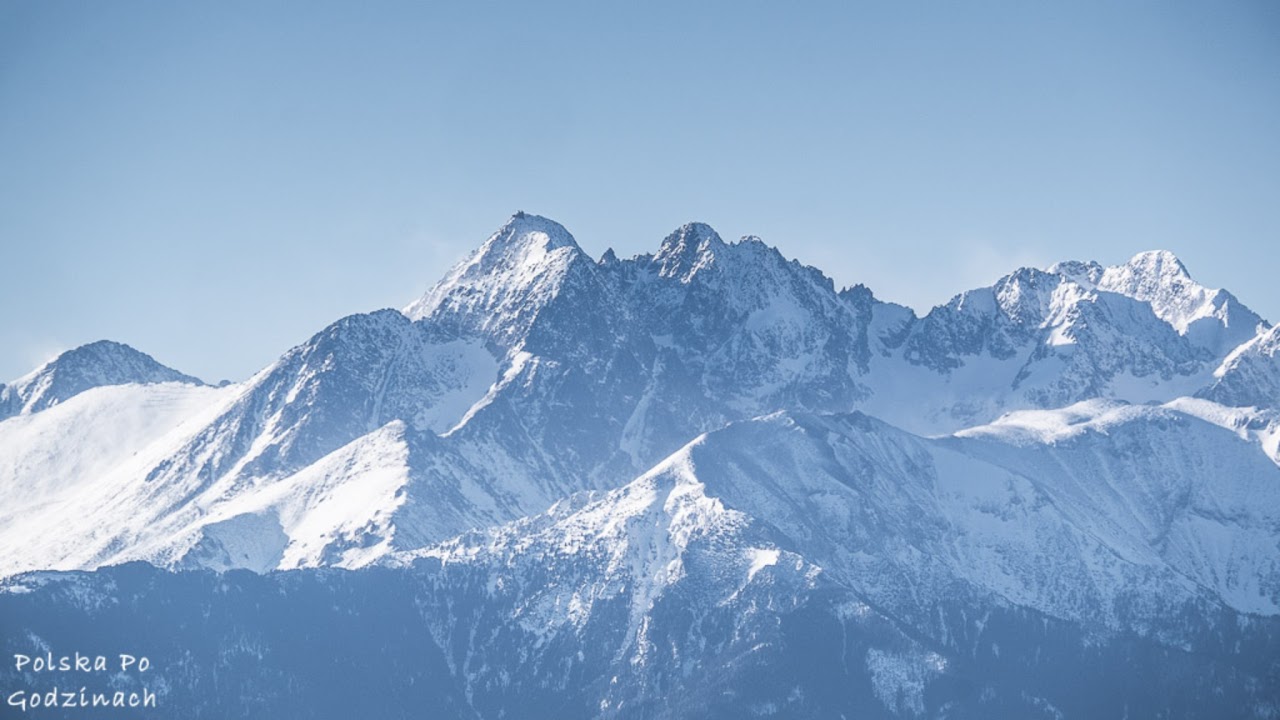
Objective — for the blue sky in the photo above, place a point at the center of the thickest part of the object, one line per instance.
(214, 182)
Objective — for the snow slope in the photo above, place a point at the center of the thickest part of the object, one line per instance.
(69, 474)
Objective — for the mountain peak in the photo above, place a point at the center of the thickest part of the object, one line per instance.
(96, 364)
(1213, 319)
(525, 229)
(684, 251)
(502, 288)
(1157, 264)
(118, 360)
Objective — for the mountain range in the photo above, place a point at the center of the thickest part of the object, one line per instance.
(702, 482)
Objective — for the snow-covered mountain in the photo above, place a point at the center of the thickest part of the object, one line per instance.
(88, 366)
(634, 470)
(532, 371)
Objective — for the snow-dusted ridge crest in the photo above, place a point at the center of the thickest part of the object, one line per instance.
(97, 364)
(987, 509)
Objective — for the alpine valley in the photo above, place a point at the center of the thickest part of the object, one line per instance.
(701, 483)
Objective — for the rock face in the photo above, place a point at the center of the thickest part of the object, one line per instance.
(702, 482)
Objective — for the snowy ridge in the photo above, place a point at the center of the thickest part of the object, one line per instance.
(161, 497)
(1250, 375)
(904, 528)
(1212, 319)
(612, 572)
(86, 367)
(911, 523)
(1139, 332)
(1202, 500)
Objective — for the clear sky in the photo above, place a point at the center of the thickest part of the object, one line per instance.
(214, 182)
